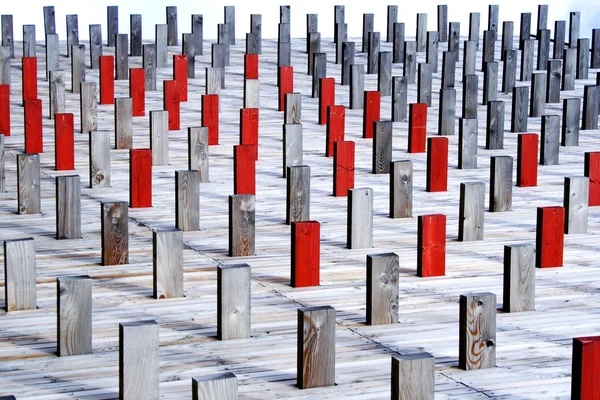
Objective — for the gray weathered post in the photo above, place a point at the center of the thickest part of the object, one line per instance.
(554, 80)
(214, 78)
(242, 225)
(570, 121)
(122, 57)
(494, 134)
(410, 61)
(198, 32)
(292, 146)
(449, 61)
(72, 32)
(159, 137)
(442, 22)
(28, 184)
(115, 232)
(467, 143)
(298, 194)
(591, 108)
(399, 98)
(543, 48)
(135, 35)
(474, 21)
(401, 189)
(595, 56)
(477, 331)
(583, 58)
(398, 45)
(252, 43)
(341, 31)
(198, 151)
(5, 66)
(95, 45)
(501, 183)
(424, 84)
(520, 101)
(73, 315)
(569, 69)
(88, 105)
(314, 46)
(68, 207)
(373, 52)
(538, 94)
(233, 301)
(256, 28)
(52, 55)
(347, 61)
(149, 63)
(220, 386)
(138, 360)
(77, 67)
(509, 75)
(489, 48)
(413, 376)
(469, 58)
(382, 147)
(187, 200)
(574, 18)
(493, 12)
(384, 76)
(542, 17)
(490, 82)
(550, 140)
(471, 211)
(312, 26)
(19, 274)
(560, 28)
(49, 20)
(525, 29)
(392, 18)
(454, 37)
(368, 26)
(470, 96)
(229, 19)
(171, 19)
(189, 50)
(360, 218)
(527, 60)
(508, 29)
(447, 113)
(57, 93)
(519, 278)
(112, 25)
(575, 202)
(293, 108)
(316, 347)
(167, 263)
(432, 50)
(29, 42)
(421, 35)
(383, 271)
(160, 41)
(357, 86)
(123, 123)
(99, 159)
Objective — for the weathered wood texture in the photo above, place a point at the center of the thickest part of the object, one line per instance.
(187, 200)
(233, 301)
(242, 225)
(471, 212)
(576, 204)
(467, 143)
(19, 274)
(292, 146)
(316, 347)
(68, 207)
(519, 278)
(73, 315)
(99, 159)
(123, 123)
(494, 133)
(383, 271)
(360, 218)
(28, 184)
(477, 331)
(167, 263)
(220, 386)
(501, 173)
(382, 147)
(413, 376)
(550, 140)
(114, 233)
(88, 107)
(138, 360)
(401, 189)
(298, 194)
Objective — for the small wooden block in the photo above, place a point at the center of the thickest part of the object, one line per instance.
(138, 360)
(360, 218)
(471, 212)
(306, 253)
(33, 126)
(383, 271)
(180, 75)
(501, 172)
(74, 315)
(584, 377)
(233, 301)
(28, 183)
(298, 194)
(221, 386)
(575, 202)
(68, 207)
(241, 225)
(326, 98)
(431, 245)
(549, 237)
(413, 376)
(167, 263)
(187, 200)
(19, 274)
(171, 103)
(316, 347)
(527, 161)
(250, 66)
(592, 171)
(519, 278)
(437, 164)
(477, 331)
(115, 233)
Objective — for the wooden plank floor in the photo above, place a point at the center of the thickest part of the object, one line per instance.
(533, 348)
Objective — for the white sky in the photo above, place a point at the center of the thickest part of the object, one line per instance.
(153, 12)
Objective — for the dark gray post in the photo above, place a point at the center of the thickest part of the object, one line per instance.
(501, 183)
(470, 96)
(373, 52)
(95, 45)
(399, 98)
(29, 42)
(382, 147)
(520, 100)
(72, 33)
(432, 50)
(298, 194)
(314, 46)
(410, 61)
(449, 60)
(569, 69)
(490, 82)
(508, 29)
(401, 189)
(447, 112)
(494, 134)
(398, 45)
(493, 12)
(509, 75)
(198, 32)
(489, 48)
(424, 84)
(121, 57)
(595, 59)
(527, 60)
(229, 19)
(543, 48)
(574, 17)
(560, 29)
(392, 18)
(112, 25)
(49, 20)
(467, 143)
(77, 67)
(570, 121)
(242, 226)
(591, 97)
(471, 211)
(442, 22)
(160, 40)
(554, 80)
(525, 29)
(357, 86)
(256, 28)
(339, 15)
(474, 21)
(347, 61)
(550, 140)
(421, 31)
(171, 19)
(538, 94)
(189, 50)
(583, 58)
(68, 207)
(454, 37)
(149, 64)
(135, 35)
(341, 31)
(384, 77)
(368, 26)
(319, 71)
(469, 58)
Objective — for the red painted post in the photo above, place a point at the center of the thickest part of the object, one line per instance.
(249, 127)
(527, 159)
(306, 253)
(585, 376)
(140, 178)
(33, 126)
(431, 245)
(171, 104)
(137, 92)
(592, 171)
(107, 80)
(5, 110)
(371, 113)
(417, 127)
(326, 98)
(286, 84)
(549, 237)
(343, 168)
(210, 117)
(437, 164)
(64, 141)
(180, 75)
(244, 164)
(29, 65)
(336, 126)
(251, 66)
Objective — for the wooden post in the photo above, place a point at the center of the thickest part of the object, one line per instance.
(95, 33)
(198, 151)
(509, 75)
(576, 197)
(49, 20)
(33, 126)
(501, 172)
(187, 200)
(595, 56)
(73, 315)
(19, 274)
(198, 33)
(410, 61)
(306, 253)
(314, 46)
(494, 135)
(29, 78)
(210, 117)
(2, 165)
(413, 376)
(583, 58)
(140, 178)
(242, 225)
(520, 100)
(525, 29)
(383, 271)
(348, 50)
(392, 18)
(312, 26)
(382, 147)
(373, 52)
(250, 66)
(122, 57)
(372, 112)
(123, 123)
(538, 94)
(286, 85)
(138, 360)
(527, 59)
(149, 62)
(77, 67)
(171, 18)
(474, 19)
(115, 233)
(57, 93)
(470, 96)
(591, 108)
(417, 128)
(437, 164)
(570, 121)
(172, 104)
(454, 36)
(574, 23)
(233, 301)
(489, 47)
(569, 69)
(550, 140)
(368, 26)
(592, 171)
(68, 207)
(251, 93)
(160, 42)
(180, 76)
(399, 98)
(8, 34)
(326, 98)
(159, 137)
(298, 194)
(477, 331)
(319, 71)
(543, 48)
(431, 245)
(424, 84)
(256, 28)
(135, 35)
(442, 22)
(88, 104)
(447, 112)
(249, 127)
(384, 77)
(549, 237)
(398, 45)
(29, 43)
(508, 29)
(584, 381)
(137, 92)
(336, 127)
(292, 146)
(357, 86)
(401, 189)
(99, 159)
(64, 141)
(469, 58)
(490, 82)
(449, 61)
(52, 54)
(527, 160)
(244, 173)
(421, 35)
(343, 167)
(28, 183)
(467, 143)
(189, 54)
(431, 57)
(316, 347)
(167, 263)
(360, 218)
(112, 23)
(554, 81)
(471, 211)
(519, 278)
(560, 28)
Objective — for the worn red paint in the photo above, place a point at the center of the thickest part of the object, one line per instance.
(306, 253)
(180, 75)
(437, 164)
(431, 245)
(417, 127)
(343, 168)
(527, 160)
(371, 113)
(64, 140)
(550, 237)
(107, 80)
(33, 126)
(210, 117)
(140, 178)
(137, 92)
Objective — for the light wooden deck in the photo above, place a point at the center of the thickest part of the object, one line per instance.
(533, 348)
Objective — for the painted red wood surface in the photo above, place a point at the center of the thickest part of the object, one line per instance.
(336, 127)
(180, 75)
(592, 171)
(244, 164)
(249, 127)
(527, 159)
(550, 236)
(286, 84)
(64, 139)
(210, 117)
(417, 127)
(33, 126)
(585, 377)
(137, 92)
(107, 80)
(306, 253)
(251, 66)
(5, 110)
(431, 245)
(437, 164)
(326, 98)
(343, 168)
(171, 104)
(29, 65)
(140, 178)
(371, 113)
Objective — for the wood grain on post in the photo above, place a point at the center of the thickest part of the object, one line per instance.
(242, 225)
(88, 101)
(392, 18)
(29, 42)
(467, 143)
(549, 237)
(470, 96)
(122, 57)
(115, 233)
(494, 135)
(167, 263)
(424, 84)
(413, 376)
(569, 69)
(28, 184)
(187, 200)
(52, 54)
(57, 93)
(554, 81)
(149, 62)
(8, 34)
(368, 26)
(501, 172)
(319, 71)
(524, 29)
(292, 146)
(520, 100)
(519, 278)
(449, 61)
(474, 22)
(583, 58)
(68, 207)
(399, 98)
(256, 28)
(360, 218)
(348, 50)
(560, 29)
(469, 58)
(508, 29)
(357, 86)
(316, 347)
(221, 386)
(575, 202)
(421, 35)
(471, 211)
(527, 59)
(384, 76)
(135, 35)
(77, 67)
(489, 48)
(543, 48)
(293, 108)
(477, 331)
(314, 46)
(197, 25)
(401, 189)
(233, 301)
(160, 41)
(312, 26)
(305, 253)
(538, 94)
(343, 167)
(229, 19)
(398, 44)
(490, 82)
(442, 22)
(591, 107)
(382, 147)
(550, 140)
(19, 274)
(73, 315)
(99, 159)
(570, 121)
(298, 194)
(410, 61)
(447, 113)
(95, 33)
(383, 271)
(509, 75)
(123, 123)
(138, 360)
(431, 245)
(112, 23)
